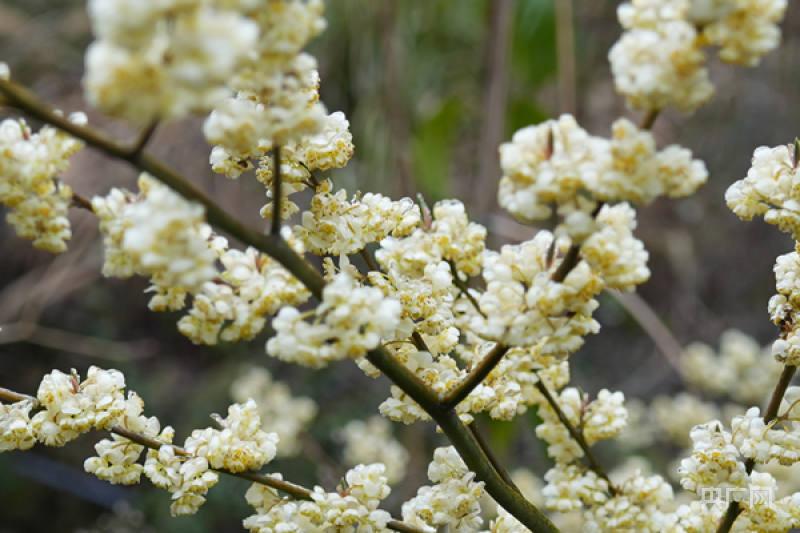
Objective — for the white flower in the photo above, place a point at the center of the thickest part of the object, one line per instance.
(350, 321)
(36, 199)
(336, 226)
(660, 66)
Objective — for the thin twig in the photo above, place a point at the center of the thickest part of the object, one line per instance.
(297, 492)
(576, 435)
(81, 202)
(144, 137)
(275, 230)
(368, 259)
(456, 395)
(649, 119)
(569, 262)
(492, 457)
(419, 342)
(464, 288)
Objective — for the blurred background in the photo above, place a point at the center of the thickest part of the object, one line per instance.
(431, 89)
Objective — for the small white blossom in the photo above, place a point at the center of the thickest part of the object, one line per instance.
(350, 321)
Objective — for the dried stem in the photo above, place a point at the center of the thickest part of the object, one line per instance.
(456, 395)
(576, 435)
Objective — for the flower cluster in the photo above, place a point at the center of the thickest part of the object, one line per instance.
(452, 502)
(770, 189)
(161, 235)
(337, 226)
(354, 507)
(160, 60)
(659, 59)
(36, 198)
(450, 237)
(523, 304)
(285, 415)
(240, 443)
(157, 234)
(350, 321)
(67, 408)
(426, 302)
(235, 305)
(548, 163)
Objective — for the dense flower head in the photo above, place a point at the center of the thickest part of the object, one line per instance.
(159, 234)
(453, 501)
(252, 286)
(36, 199)
(660, 66)
(354, 506)
(426, 303)
(635, 508)
(239, 445)
(613, 252)
(769, 189)
(160, 60)
(715, 460)
(659, 60)
(548, 164)
(337, 226)
(350, 321)
(451, 237)
(523, 304)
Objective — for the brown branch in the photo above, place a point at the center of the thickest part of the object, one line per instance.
(576, 435)
(473, 427)
(368, 259)
(144, 137)
(569, 262)
(81, 202)
(649, 119)
(419, 342)
(457, 395)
